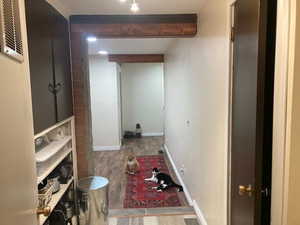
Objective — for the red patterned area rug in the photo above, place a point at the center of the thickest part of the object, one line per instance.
(139, 193)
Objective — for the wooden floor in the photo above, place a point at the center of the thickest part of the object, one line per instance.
(165, 211)
(155, 220)
(110, 164)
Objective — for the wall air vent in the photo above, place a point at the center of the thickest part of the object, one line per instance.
(10, 29)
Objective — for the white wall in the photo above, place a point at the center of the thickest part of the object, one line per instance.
(104, 104)
(196, 82)
(59, 6)
(143, 97)
(18, 188)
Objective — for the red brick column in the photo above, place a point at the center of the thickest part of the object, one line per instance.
(81, 103)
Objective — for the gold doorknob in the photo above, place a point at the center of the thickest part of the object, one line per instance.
(243, 190)
(44, 211)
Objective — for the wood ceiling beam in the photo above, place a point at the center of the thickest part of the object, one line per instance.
(135, 26)
(136, 58)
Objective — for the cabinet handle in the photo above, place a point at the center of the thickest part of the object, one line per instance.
(57, 87)
(51, 88)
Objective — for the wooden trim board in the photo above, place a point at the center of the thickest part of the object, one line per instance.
(136, 58)
(134, 19)
(137, 26)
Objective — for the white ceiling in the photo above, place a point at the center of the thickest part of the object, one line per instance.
(130, 46)
(146, 6)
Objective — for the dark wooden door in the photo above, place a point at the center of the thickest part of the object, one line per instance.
(39, 22)
(62, 67)
(252, 107)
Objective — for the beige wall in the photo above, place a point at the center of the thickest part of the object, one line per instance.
(196, 83)
(17, 176)
(293, 215)
(143, 97)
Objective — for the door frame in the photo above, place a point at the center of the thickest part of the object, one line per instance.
(284, 62)
(284, 66)
(230, 91)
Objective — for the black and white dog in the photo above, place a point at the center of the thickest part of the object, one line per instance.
(164, 180)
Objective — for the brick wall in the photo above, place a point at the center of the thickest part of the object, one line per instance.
(81, 103)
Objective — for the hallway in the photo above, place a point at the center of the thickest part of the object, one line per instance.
(111, 164)
(207, 90)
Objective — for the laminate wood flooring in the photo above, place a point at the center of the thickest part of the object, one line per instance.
(165, 211)
(111, 164)
(155, 220)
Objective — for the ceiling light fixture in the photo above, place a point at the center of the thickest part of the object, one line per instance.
(91, 39)
(134, 7)
(103, 52)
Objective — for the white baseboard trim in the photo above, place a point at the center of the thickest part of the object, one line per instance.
(152, 134)
(193, 203)
(107, 148)
(186, 192)
(199, 213)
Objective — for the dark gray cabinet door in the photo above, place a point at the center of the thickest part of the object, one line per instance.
(49, 56)
(62, 68)
(40, 58)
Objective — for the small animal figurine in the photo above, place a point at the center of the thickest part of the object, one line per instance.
(138, 131)
(132, 165)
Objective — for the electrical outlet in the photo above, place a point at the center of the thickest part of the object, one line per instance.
(188, 123)
(182, 170)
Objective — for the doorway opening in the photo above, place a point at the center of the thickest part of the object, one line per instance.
(126, 80)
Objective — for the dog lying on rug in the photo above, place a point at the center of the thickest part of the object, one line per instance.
(132, 166)
(165, 181)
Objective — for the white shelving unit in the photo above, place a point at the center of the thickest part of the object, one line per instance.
(69, 120)
(44, 172)
(50, 150)
(55, 199)
(52, 155)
